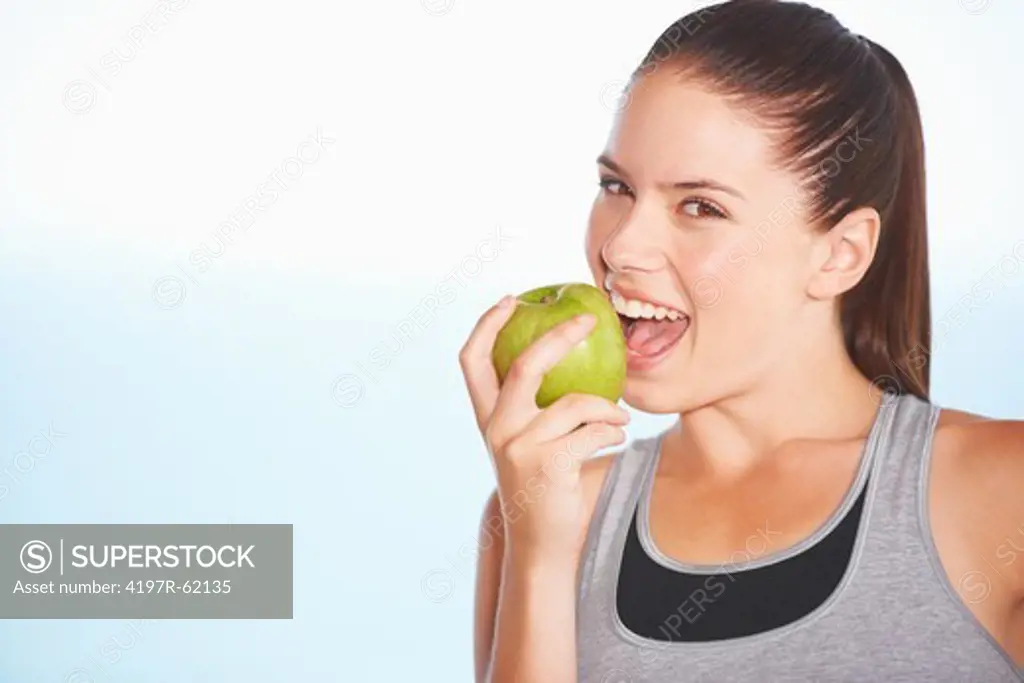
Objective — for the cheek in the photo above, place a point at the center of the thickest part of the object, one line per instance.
(744, 275)
(702, 265)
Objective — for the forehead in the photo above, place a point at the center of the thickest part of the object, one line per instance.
(672, 129)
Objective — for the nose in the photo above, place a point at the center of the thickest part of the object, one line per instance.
(632, 245)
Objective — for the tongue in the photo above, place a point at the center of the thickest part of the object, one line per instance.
(651, 337)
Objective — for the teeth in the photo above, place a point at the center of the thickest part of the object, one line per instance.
(632, 308)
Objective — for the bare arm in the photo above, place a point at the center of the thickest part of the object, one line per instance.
(542, 595)
(535, 634)
(525, 628)
(488, 584)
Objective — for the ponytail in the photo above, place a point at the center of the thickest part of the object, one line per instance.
(887, 317)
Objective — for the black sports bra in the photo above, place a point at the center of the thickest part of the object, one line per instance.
(664, 604)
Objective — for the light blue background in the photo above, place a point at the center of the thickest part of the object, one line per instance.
(221, 408)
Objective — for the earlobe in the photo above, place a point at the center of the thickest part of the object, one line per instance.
(844, 254)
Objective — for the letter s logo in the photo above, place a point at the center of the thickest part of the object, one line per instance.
(36, 557)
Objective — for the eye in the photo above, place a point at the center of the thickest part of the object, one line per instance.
(701, 208)
(612, 186)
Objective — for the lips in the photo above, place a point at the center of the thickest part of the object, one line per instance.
(637, 308)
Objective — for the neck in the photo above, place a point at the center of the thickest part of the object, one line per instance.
(815, 393)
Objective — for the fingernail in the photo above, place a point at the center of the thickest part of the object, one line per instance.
(506, 301)
(586, 319)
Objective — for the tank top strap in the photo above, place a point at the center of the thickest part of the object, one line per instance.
(893, 514)
(610, 520)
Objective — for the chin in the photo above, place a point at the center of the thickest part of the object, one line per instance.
(645, 396)
(678, 388)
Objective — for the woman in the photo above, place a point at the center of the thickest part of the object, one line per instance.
(811, 516)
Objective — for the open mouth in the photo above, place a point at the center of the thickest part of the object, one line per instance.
(651, 330)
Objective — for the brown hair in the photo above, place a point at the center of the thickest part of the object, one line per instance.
(825, 89)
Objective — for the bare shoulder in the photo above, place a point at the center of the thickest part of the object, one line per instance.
(987, 450)
(977, 479)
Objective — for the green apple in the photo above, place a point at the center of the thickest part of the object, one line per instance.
(596, 365)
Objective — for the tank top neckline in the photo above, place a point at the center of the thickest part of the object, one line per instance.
(875, 444)
(878, 427)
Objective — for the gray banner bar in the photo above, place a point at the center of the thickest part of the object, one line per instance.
(151, 571)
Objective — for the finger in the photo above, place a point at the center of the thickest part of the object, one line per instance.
(517, 401)
(569, 452)
(588, 440)
(572, 410)
(475, 359)
(563, 455)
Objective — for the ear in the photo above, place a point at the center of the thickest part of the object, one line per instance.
(841, 256)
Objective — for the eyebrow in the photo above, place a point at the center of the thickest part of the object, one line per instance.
(699, 184)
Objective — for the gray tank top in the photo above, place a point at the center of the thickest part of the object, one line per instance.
(893, 618)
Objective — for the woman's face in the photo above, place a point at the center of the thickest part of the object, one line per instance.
(694, 215)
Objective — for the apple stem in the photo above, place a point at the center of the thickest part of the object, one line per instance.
(547, 299)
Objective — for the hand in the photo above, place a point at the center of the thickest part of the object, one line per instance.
(537, 453)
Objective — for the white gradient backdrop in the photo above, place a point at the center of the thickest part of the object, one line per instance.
(212, 395)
